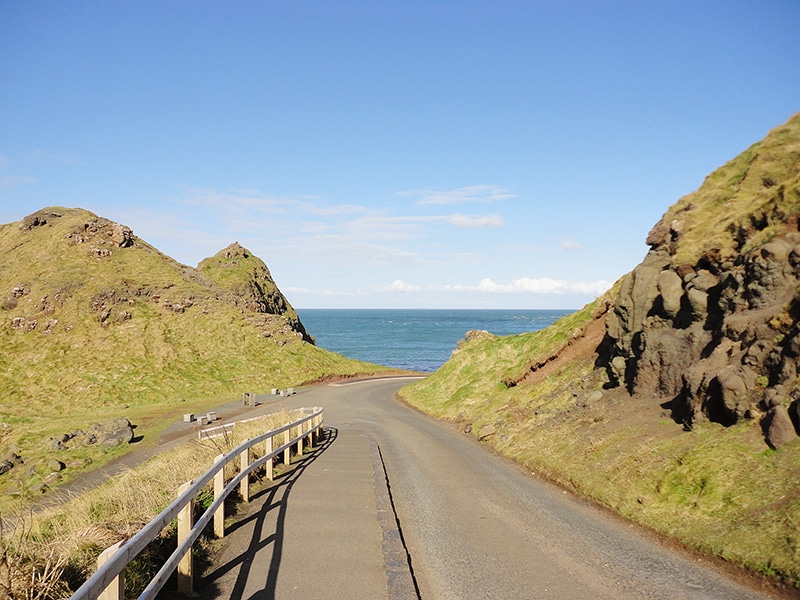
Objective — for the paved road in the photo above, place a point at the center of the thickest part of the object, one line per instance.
(473, 525)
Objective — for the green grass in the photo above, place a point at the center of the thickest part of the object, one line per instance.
(761, 182)
(150, 367)
(717, 490)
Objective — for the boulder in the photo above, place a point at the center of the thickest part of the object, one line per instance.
(670, 287)
(115, 438)
(659, 235)
(39, 487)
(122, 236)
(776, 251)
(55, 465)
(698, 301)
(794, 415)
(773, 397)
(778, 428)
(112, 425)
(734, 391)
(644, 291)
(704, 280)
(664, 359)
(618, 364)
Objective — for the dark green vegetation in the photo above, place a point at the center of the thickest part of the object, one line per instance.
(96, 324)
(674, 400)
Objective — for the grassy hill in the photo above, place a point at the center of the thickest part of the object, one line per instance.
(96, 324)
(673, 400)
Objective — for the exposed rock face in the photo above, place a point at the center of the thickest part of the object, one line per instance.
(236, 268)
(714, 336)
(97, 230)
(709, 322)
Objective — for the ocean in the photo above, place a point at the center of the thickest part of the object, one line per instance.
(413, 339)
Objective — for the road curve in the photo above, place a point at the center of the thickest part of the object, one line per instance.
(475, 525)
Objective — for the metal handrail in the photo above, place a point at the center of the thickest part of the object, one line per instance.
(131, 548)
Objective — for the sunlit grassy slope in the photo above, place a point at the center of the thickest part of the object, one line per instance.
(757, 190)
(91, 331)
(715, 489)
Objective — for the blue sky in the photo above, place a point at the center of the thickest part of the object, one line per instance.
(431, 154)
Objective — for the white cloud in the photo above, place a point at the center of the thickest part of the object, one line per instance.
(399, 286)
(256, 200)
(463, 195)
(570, 244)
(335, 250)
(545, 285)
(472, 221)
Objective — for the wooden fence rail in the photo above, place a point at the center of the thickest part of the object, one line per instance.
(107, 582)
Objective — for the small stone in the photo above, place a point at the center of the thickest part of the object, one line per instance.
(53, 478)
(40, 487)
(55, 465)
(595, 396)
(485, 431)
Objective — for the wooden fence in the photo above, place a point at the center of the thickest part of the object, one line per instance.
(108, 581)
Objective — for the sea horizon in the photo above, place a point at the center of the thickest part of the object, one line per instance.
(416, 339)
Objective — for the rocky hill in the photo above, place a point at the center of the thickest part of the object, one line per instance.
(673, 400)
(251, 284)
(709, 320)
(97, 325)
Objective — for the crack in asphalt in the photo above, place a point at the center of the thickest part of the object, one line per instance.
(401, 582)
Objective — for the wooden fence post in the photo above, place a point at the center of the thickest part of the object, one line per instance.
(185, 523)
(268, 451)
(116, 589)
(287, 454)
(219, 487)
(300, 439)
(244, 484)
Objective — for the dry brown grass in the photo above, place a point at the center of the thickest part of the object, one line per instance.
(51, 552)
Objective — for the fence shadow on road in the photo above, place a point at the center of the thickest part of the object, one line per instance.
(263, 504)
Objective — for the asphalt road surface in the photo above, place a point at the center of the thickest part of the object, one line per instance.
(397, 505)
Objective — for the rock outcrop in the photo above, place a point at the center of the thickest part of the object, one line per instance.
(709, 321)
(244, 274)
(115, 432)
